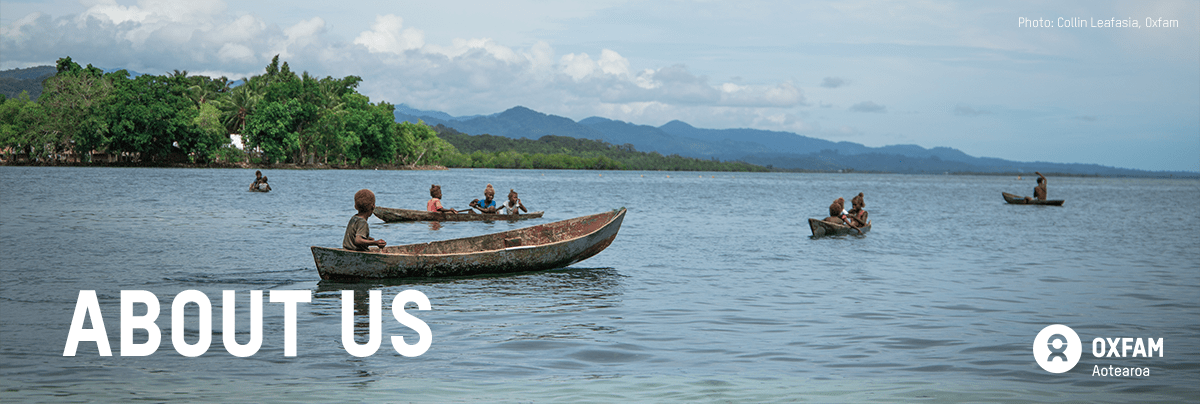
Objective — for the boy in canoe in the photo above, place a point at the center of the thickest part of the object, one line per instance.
(1039, 192)
(838, 215)
(435, 201)
(513, 204)
(257, 180)
(488, 205)
(358, 234)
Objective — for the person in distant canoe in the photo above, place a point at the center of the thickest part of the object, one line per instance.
(1039, 192)
(435, 201)
(264, 186)
(358, 234)
(514, 204)
(839, 215)
(488, 204)
(836, 212)
(857, 214)
(257, 180)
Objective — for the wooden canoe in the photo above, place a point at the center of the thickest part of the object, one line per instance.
(823, 228)
(541, 247)
(408, 215)
(1020, 200)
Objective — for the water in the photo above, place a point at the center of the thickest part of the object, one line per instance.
(712, 291)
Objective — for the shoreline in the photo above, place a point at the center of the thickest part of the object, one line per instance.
(290, 166)
(281, 166)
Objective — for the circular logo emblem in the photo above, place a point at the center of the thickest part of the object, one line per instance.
(1057, 348)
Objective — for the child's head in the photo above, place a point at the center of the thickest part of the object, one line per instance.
(489, 192)
(257, 174)
(512, 195)
(858, 201)
(364, 201)
(264, 178)
(435, 191)
(1039, 180)
(835, 209)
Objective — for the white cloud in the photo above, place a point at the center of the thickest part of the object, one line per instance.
(235, 52)
(388, 35)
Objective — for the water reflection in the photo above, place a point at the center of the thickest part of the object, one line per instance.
(555, 291)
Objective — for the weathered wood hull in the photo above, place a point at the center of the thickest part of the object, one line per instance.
(541, 247)
(408, 215)
(822, 228)
(1020, 200)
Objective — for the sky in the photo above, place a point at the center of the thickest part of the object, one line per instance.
(1024, 81)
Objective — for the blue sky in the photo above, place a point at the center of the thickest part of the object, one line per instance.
(965, 75)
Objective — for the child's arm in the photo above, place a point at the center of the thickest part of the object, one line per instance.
(367, 241)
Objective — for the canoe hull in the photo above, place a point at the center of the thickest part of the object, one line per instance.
(1020, 200)
(822, 228)
(547, 246)
(392, 215)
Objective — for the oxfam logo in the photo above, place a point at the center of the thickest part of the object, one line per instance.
(1057, 348)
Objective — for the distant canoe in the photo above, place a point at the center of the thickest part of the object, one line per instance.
(259, 190)
(541, 247)
(823, 228)
(408, 215)
(1020, 200)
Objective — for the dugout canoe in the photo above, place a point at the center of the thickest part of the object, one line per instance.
(823, 228)
(541, 247)
(408, 215)
(1020, 200)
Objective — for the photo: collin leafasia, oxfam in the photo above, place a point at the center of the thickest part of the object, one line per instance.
(611, 201)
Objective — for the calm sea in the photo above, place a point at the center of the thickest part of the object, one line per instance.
(713, 290)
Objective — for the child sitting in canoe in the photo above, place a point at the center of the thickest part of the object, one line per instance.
(838, 214)
(514, 204)
(358, 234)
(857, 214)
(435, 201)
(488, 205)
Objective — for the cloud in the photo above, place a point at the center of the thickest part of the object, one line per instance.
(868, 106)
(833, 82)
(966, 110)
(387, 35)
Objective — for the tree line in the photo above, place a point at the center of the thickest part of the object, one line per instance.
(281, 117)
(85, 115)
(562, 152)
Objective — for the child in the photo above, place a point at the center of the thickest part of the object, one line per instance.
(857, 213)
(358, 235)
(435, 201)
(488, 205)
(513, 204)
(257, 180)
(264, 186)
(836, 211)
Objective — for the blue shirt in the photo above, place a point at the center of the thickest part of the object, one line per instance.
(485, 204)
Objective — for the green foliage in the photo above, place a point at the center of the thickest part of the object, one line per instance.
(283, 118)
(560, 152)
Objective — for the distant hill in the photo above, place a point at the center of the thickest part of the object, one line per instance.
(779, 150)
(13, 82)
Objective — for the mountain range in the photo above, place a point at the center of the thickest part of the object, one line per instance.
(774, 149)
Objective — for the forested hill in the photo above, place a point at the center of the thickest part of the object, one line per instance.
(561, 152)
(774, 149)
(13, 82)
